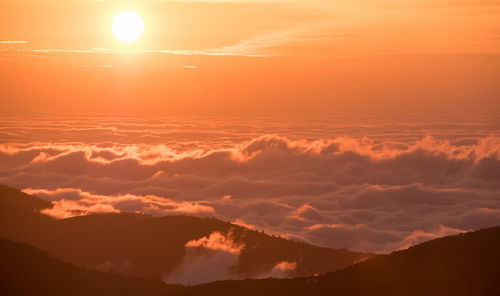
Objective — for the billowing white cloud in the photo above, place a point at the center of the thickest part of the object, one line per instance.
(362, 193)
(207, 259)
(216, 241)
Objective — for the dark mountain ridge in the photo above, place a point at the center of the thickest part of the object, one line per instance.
(464, 264)
(146, 246)
(26, 270)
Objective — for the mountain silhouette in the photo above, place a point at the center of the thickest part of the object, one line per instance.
(464, 264)
(26, 270)
(152, 247)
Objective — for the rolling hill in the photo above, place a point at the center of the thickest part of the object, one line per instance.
(464, 264)
(153, 247)
(26, 270)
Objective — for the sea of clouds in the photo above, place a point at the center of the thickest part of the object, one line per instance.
(367, 184)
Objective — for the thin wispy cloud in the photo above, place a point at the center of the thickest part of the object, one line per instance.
(257, 46)
(13, 42)
(186, 52)
(260, 45)
(97, 66)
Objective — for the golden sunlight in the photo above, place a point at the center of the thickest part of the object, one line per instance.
(127, 26)
(250, 147)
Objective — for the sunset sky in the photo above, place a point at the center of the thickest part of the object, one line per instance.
(371, 125)
(251, 57)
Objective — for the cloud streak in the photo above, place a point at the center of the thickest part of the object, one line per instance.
(239, 50)
(13, 42)
(70, 202)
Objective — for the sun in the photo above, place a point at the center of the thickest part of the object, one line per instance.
(127, 26)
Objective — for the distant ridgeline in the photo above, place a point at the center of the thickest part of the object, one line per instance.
(465, 264)
(163, 247)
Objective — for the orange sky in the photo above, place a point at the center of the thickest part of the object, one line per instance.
(250, 57)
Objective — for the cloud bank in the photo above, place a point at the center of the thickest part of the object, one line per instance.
(369, 194)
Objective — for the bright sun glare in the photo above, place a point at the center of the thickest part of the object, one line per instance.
(127, 26)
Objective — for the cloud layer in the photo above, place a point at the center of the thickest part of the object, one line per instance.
(378, 193)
